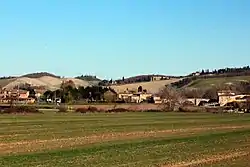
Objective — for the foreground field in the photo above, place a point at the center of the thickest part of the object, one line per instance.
(125, 139)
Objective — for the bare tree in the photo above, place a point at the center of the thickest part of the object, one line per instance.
(237, 87)
(211, 93)
(193, 92)
(171, 96)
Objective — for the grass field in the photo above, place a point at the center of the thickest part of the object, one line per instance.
(201, 83)
(125, 139)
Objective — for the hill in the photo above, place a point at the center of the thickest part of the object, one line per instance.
(39, 75)
(151, 87)
(47, 82)
(209, 82)
(140, 78)
(207, 78)
(88, 78)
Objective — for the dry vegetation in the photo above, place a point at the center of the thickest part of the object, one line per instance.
(124, 139)
(48, 82)
(152, 87)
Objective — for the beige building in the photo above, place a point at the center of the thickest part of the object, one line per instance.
(226, 97)
(134, 97)
(22, 96)
(158, 78)
(197, 101)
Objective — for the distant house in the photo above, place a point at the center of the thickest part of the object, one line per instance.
(196, 74)
(225, 96)
(20, 96)
(158, 78)
(39, 92)
(23, 94)
(157, 99)
(125, 96)
(134, 97)
(199, 101)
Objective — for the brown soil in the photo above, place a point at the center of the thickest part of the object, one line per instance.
(34, 145)
(209, 160)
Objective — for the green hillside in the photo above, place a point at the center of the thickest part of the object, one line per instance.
(202, 83)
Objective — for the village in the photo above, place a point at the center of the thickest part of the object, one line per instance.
(226, 98)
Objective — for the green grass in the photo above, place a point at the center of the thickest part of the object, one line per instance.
(4, 82)
(121, 139)
(201, 83)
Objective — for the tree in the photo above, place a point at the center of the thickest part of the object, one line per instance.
(48, 94)
(193, 92)
(67, 84)
(68, 98)
(211, 93)
(140, 89)
(110, 96)
(172, 97)
(202, 72)
(32, 93)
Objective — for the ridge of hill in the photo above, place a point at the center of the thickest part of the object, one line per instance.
(48, 82)
(141, 78)
(40, 74)
(152, 87)
(88, 78)
(206, 81)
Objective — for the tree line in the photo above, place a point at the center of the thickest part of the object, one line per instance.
(69, 94)
(224, 71)
(206, 74)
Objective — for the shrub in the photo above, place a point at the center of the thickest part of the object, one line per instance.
(191, 109)
(21, 109)
(153, 110)
(214, 109)
(116, 110)
(62, 109)
(85, 110)
(92, 109)
(81, 110)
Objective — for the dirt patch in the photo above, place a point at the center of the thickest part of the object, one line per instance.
(35, 145)
(209, 160)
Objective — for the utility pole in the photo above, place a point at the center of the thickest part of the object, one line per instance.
(18, 94)
(55, 96)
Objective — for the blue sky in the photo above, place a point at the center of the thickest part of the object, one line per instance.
(115, 38)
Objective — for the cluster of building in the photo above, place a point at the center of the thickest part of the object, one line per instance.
(225, 98)
(133, 96)
(18, 95)
(139, 95)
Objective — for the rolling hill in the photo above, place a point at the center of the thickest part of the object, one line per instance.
(209, 82)
(49, 82)
(151, 87)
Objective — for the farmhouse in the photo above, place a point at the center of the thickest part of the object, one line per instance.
(239, 101)
(225, 96)
(17, 95)
(198, 101)
(158, 78)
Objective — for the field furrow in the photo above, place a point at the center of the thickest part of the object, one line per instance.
(124, 139)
